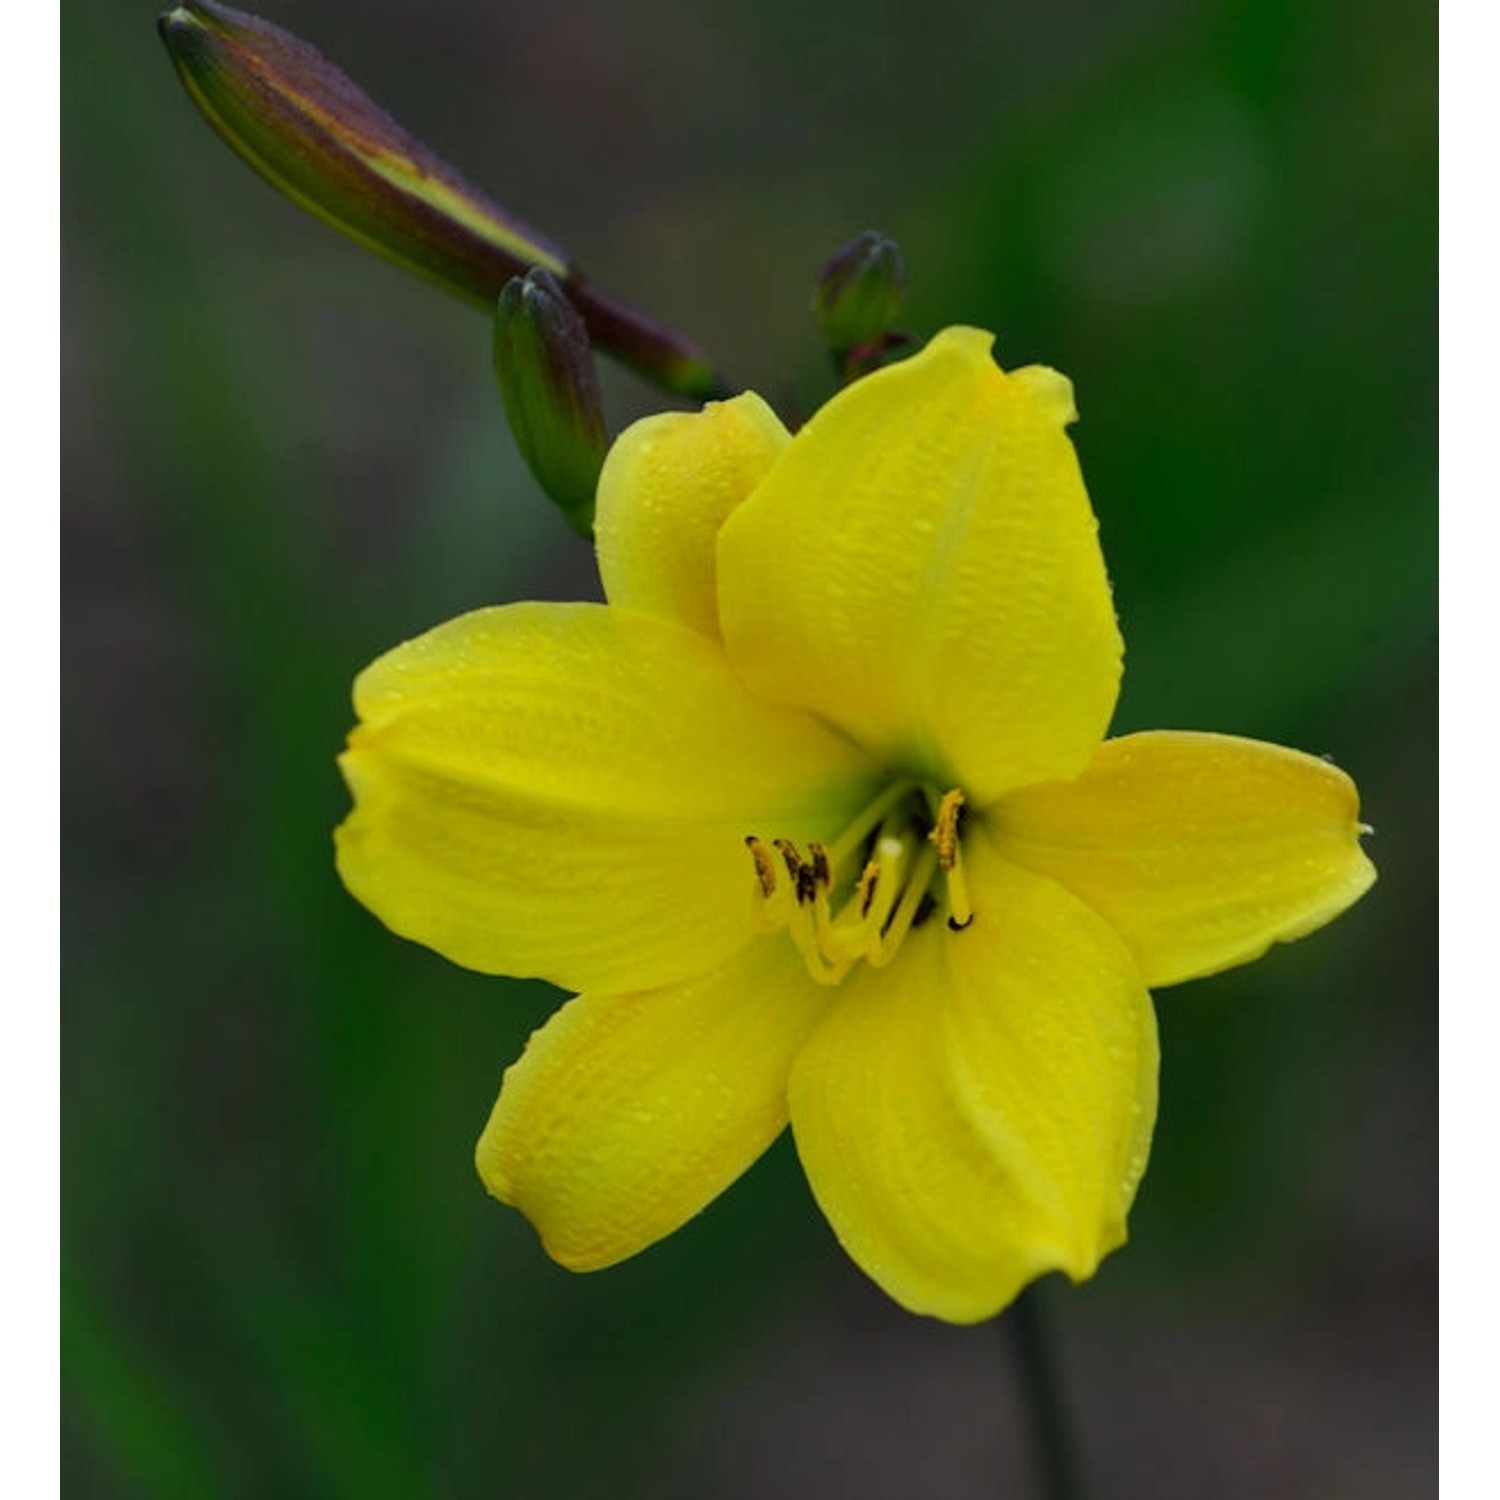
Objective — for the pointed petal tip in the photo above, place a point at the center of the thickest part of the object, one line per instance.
(963, 338)
(629, 1113)
(964, 1306)
(667, 486)
(587, 1255)
(1245, 843)
(849, 582)
(1051, 390)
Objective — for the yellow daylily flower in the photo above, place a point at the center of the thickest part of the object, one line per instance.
(819, 817)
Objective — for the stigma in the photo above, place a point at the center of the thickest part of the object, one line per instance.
(897, 864)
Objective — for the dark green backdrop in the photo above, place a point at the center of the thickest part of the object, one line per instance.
(281, 1276)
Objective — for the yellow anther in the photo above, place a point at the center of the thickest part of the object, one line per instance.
(945, 831)
(947, 822)
(765, 868)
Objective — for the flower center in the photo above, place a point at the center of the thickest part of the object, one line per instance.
(898, 862)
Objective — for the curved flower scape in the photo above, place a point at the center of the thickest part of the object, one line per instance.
(818, 816)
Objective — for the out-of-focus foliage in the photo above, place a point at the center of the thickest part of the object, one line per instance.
(282, 1276)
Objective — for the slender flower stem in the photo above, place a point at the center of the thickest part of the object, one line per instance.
(1054, 1455)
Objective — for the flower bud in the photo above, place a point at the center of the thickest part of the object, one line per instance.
(859, 291)
(306, 128)
(551, 392)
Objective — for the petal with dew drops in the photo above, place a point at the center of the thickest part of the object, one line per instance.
(667, 485)
(980, 1112)
(1201, 849)
(922, 568)
(627, 1114)
(563, 790)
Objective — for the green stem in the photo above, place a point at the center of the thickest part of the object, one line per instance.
(1054, 1455)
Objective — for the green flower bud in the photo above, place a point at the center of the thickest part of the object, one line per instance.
(859, 291)
(551, 392)
(306, 128)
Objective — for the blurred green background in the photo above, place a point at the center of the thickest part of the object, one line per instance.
(281, 1275)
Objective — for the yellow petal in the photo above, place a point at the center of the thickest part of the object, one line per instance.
(922, 568)
(666, 487)
(564, 790)
(629, 1113)
(1201, 849)
(980, 1112)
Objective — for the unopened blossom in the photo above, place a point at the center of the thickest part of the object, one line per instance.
(819, 819)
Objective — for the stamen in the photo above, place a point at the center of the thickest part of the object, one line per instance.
(855, 931)
(840, 943)
(805, 935)
(765, 871)
(950, 858)
(911, 899)
(893, 891)
(945, 831)
(960, 912)
(866, 819)
(788, 851)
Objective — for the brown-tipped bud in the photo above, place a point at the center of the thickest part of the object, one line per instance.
(551, 392)
(318, 138)
(859, 291)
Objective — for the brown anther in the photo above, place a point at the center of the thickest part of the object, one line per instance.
(945, 834)
(765, 870)
(788, 851)
(869, 878)
(807, 885)
(822, 870)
